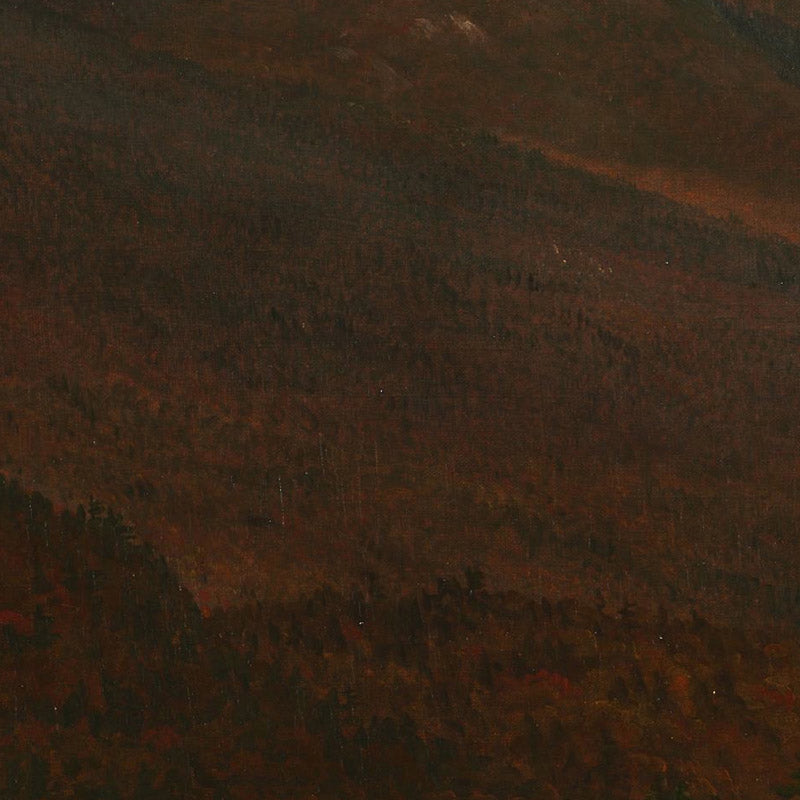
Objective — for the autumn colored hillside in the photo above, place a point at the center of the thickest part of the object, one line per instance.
(114, 685)
(440, 364)
(694, 99)
(337, 314)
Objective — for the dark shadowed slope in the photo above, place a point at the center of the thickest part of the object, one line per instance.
(473, 464)
(114, 686)
(676, 95)
(299, 332)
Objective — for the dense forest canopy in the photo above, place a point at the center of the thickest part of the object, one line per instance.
(442, 362)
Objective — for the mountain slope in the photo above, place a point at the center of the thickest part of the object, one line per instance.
(113, 685)
(298, 337)
(668, 93)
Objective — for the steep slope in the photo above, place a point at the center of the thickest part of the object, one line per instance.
(669, 95)
(685, 97)
(296, 337)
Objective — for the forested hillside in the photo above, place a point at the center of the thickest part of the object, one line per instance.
(296, 334)
(115, 686)
(443, 363)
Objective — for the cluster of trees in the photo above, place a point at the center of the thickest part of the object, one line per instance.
(116, 686)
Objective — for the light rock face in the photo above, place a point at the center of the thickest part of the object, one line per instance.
(425, 27)
(473, 33)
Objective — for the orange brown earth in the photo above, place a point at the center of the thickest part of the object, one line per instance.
(357, 298)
